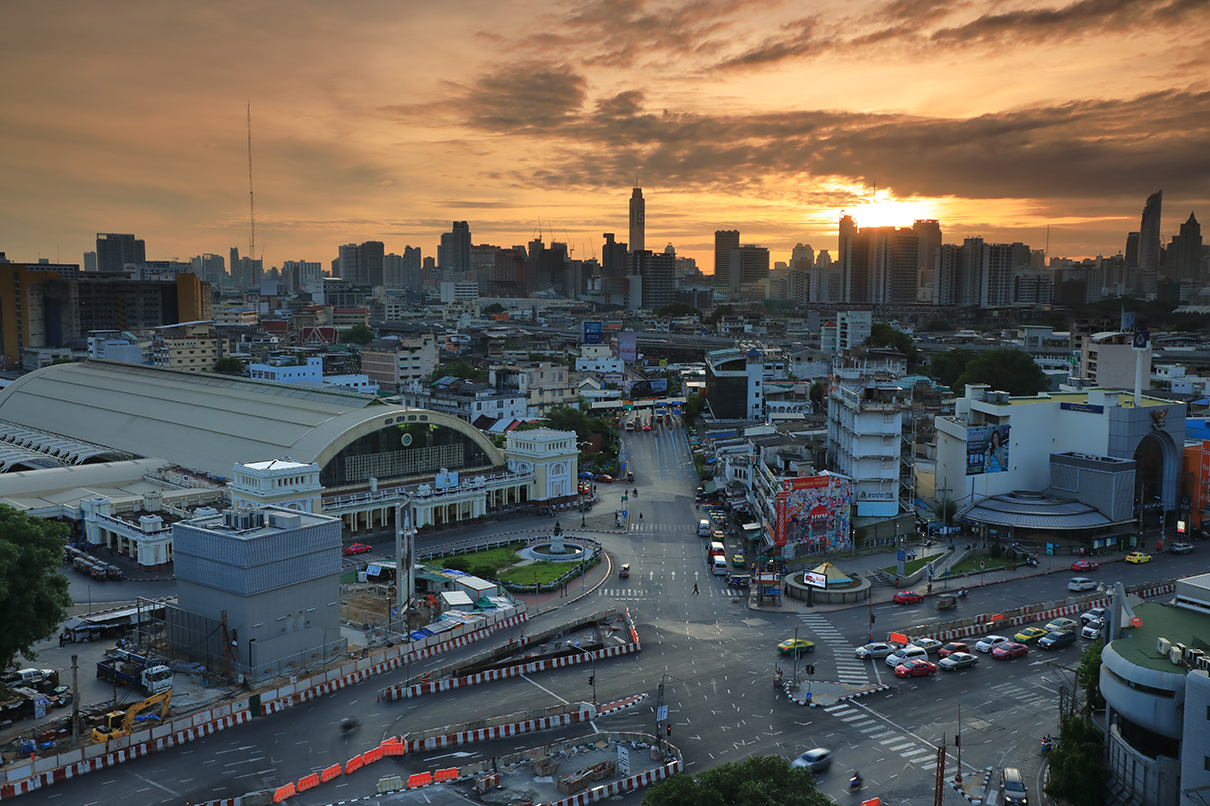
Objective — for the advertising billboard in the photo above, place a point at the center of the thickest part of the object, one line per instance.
(592, 332)
(653, 388)
(813, 514)
(446, 479)
(628, 346)
(986, 449)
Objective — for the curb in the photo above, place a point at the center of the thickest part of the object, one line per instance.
(986, 772)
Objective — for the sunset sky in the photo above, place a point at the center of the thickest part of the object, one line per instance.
(387, 120)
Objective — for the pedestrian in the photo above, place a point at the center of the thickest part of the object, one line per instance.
(695, 589)
(61, 641)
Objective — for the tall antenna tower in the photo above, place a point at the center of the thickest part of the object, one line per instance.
(251, 199)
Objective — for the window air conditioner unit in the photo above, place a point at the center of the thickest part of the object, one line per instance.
(1203, 663)
(1162, 645)
(1192, 655)
(1175, 654)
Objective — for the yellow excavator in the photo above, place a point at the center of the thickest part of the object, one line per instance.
(119, 723)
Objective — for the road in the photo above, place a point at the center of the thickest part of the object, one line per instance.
(715, 657)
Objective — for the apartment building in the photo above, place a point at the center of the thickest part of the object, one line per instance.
(395, 361)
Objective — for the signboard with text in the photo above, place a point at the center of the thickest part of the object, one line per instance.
(986, 449)
(815, 579)
(592, 332)
(628, 346)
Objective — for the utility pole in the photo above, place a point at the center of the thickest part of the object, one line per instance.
(75, 701)
(958, 744)
(939, 786)
(795, 659)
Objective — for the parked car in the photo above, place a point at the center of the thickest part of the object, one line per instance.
(952, 647)
(1181, 548)
(990, 642)
(958, 660)
(1010, 650)
(907, 597)
(1137, 557)
(1093, 614)
(916, 668)
(358, 548)
(1081, 584)
(1054, 640)
(878, 649)
(1084, 565)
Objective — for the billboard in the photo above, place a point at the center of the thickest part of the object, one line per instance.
(628, 346)
(653, 388)
(592, 332)
(986, 449)
(446, 479)
(813, 515)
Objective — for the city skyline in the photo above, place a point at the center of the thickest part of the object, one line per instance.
(741, 115)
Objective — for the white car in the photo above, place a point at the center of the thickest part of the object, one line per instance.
(1094, 614)
(929, 645)
(990, 642)
(906, 653)
(878, 649)
(1092, 630)
(1081, 584)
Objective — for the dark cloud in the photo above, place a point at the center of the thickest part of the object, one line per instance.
(918, 26)
(1084, 148)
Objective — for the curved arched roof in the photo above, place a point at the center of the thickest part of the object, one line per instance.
(202, 421)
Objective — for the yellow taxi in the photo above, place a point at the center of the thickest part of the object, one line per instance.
(1029, 634)
(1137, 557)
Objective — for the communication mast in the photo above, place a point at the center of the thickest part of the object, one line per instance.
(251, 200)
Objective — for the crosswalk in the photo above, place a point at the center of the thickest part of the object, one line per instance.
(705, 591)
(1027, 757)
(848, 668)
(908, 748)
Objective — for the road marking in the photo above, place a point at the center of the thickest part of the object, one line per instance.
(153, 783)
(543, 688)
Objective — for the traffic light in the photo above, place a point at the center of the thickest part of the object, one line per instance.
(811, 669)
(669, 729)
(590, 679)
(872, 618)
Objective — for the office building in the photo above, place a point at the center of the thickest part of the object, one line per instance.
(928, 242)
(300, 275)
(211, 268)
(734, 384)
(90, 261)
(724, 241)
(656, 274)
(749, 266)
(115, 250)
(1149, 233)
(865, 426)
(1185, 253)
(1132, 250)
(638, 219)
(851, 260)
(454, 254)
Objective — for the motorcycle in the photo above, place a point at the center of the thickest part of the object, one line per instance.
(1048, 744)
(348, 724)
(856, 781)
(1033, 561)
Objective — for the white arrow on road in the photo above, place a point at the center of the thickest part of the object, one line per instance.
(674, 576)
(651, 575)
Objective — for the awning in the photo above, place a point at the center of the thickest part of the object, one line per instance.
(1034, 510)
(709, 488)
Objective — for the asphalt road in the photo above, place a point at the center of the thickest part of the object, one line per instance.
(715, 657)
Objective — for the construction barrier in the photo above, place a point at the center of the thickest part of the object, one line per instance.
(329, 773)
(283, 792)
(353, 765)
(308, 782)
(420, 779)
(445, 775)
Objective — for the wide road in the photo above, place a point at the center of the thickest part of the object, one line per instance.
(715, 657)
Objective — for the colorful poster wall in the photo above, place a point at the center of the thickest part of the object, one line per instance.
(986, 449)
(813, 514)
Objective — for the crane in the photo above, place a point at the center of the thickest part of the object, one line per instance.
(251, 199)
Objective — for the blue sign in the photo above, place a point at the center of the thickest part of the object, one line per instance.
(592, 332)
(1088, 407)
(1140, 339)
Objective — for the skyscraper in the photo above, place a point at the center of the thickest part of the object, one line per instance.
(724, 241)
(1185, 256)
(460, 247)
(928, 235)
(1132, 250)
(115, 250)
(749, 264)
(638, 218)
(892, 264)
(852, 263)
(1149, 233)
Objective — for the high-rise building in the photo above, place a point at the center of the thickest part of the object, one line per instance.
(1149, 233)
(947, 280)
(115, 250)
(852, 263)
(245, 272)
(1132, 250)
(724, 241)
(90, 261)
(749, 264)
(211, 268)
(370, 263)
(459, 255)
(656, 273)
(298, 275)
(346, 262)
(928, 241)
(892, 264)
(1185, 255)
(638, 219)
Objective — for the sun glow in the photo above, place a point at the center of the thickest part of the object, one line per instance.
(882, 209)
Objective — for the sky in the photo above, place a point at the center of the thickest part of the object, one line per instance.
(388, 119)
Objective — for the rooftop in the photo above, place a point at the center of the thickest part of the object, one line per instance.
(1162, 620)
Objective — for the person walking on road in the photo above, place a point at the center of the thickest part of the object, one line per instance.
(695, 593)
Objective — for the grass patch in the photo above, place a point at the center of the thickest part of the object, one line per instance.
(910, 567)
(497, 558)
(505, 565)
(545, 572)
(971, 563)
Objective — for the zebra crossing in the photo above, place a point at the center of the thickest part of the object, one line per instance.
(704, 590)
(1036, 699)
(848, 668)
(908, 748)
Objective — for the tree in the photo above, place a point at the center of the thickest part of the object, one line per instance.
(1088, 675)
(228, 365)
(947, 367)
(938, 326)
(819, 390)
(457, 369)
(945, 509)
(1005, 370)
(495, 307)
(883, 335)
(718, 313)
(755, 781)
(1077, 775)
(693, 406)
(358, 334)
(33, 594)
(675, 309)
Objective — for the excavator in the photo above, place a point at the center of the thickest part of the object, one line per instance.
(119, 723)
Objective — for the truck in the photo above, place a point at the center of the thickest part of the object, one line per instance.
(132, 669)
(117, 724)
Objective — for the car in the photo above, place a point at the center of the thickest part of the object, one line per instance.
(604, 479)
(904, 654)
(1010, 650)
(1062, 625)
(952, 647)
(1054, 640)
(1081, 584)
(1181, 548)
(738, 560)
(878, 649)
(817, 760)
(1084, 565)
(1137, 557)
(990, 642)
(358, 548)
(958, 660)
(916, 668)
(1093, 614)
(907, 597)
(646, 426)
(795, 646)
(1029, 634)
(1093, 629)
(1013, 787)
(929, 645)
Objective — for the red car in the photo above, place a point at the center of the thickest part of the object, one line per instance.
(603, 479)
(1010, 650)
(358, 548)
(915, 668)
(907, 597)
(1084, 565)
(952, 647)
